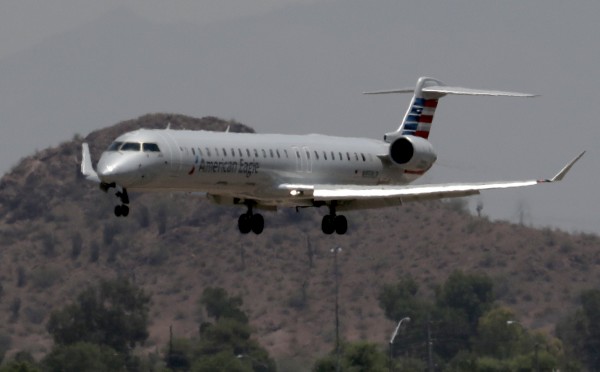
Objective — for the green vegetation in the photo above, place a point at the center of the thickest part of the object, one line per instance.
(222, 345)
(466, 329)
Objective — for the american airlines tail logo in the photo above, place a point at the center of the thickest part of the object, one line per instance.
(419, 118)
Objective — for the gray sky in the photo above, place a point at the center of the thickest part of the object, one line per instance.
(298, 66)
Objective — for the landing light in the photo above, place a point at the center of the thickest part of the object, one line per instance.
(296, 192)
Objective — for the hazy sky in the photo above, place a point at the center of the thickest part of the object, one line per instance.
(298, 66)
(25, 23)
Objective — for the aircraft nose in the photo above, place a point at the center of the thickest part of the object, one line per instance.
(115, 168)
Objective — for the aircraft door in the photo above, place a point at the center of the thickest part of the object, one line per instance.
(303, 161)
(307, 159)
(298, 155)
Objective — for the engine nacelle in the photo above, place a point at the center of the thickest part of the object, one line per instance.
(412, 153)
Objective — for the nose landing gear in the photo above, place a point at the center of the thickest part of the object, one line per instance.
(123, 209)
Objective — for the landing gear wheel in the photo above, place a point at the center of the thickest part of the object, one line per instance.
(258, 223)
(328, 224)
(341, 224)
(245, 223)
(122, 210)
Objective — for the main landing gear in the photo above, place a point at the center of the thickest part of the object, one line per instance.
(251, 222)
(332, 222)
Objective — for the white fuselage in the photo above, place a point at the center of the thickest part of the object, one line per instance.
(244, 165)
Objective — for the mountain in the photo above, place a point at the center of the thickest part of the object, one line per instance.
(58, 234)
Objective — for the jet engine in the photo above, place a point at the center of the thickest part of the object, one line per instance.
(412, 153)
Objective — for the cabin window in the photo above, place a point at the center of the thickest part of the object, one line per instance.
(264, 153)
(356, 156)
(232, 153)
(114, 146)
(298, 154)
(316, 155)
(324, 155)
(340, 155)
(271, 153)
(348, 156)
(216, 151)
(240, 152)
(308, 154)
(286, 153)
(255, 153)
(248, 152)
(277, 152)
(208, 152)
(363, 156)
(130, 146)
(224, 152)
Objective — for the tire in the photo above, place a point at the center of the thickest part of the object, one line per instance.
(341, 224)
(118, 211)
(258, 223)
(124, 210)
(244, 224)
(327, 225)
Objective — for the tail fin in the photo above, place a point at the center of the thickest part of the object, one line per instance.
(419, 116)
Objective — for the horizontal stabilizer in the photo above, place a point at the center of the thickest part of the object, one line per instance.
(473, 92)
(442, 89)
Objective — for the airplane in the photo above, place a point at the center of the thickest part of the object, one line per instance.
(270, 171)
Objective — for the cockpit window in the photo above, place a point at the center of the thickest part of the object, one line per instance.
(130, 146)
(114, 146)
(151, 147)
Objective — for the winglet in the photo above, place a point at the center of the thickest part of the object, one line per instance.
(563, 172)
(87, 169)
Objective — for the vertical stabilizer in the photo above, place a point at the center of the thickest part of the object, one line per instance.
(419, 116)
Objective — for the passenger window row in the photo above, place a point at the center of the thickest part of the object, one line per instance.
(278, 154)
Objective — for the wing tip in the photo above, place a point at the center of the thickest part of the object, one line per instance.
(563, 172)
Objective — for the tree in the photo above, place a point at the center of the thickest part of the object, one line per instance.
(356, 356)
(84, 356)
(496, 337)
(580, 331)
(219, 304)
(225, 345)
(400, 300)
(114, 314)
(471, 294)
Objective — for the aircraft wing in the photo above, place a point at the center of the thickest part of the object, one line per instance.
(395, 194)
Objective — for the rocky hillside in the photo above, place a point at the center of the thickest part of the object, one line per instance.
(58, 233)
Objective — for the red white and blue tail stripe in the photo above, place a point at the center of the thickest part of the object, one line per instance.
(417, 121)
